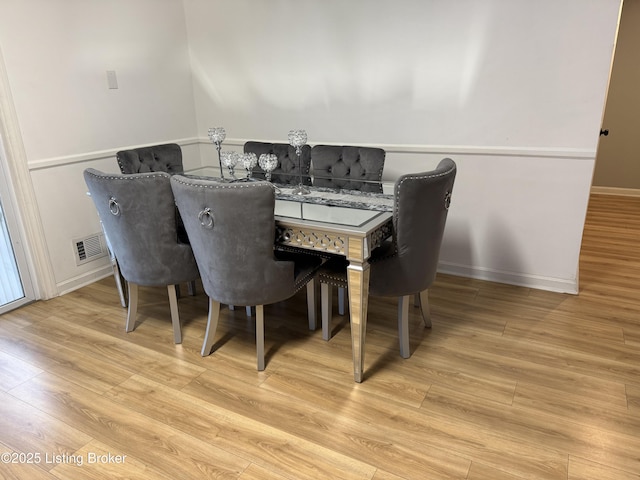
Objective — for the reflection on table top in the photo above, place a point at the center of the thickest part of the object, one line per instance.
(346, 216)
(377, 197)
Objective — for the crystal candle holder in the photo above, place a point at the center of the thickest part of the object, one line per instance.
(217, 136)
(298, 139)
(230, 160)
(268, 162)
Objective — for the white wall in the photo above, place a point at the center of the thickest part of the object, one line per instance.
(56, 54)
(509, 73)
(512, 90)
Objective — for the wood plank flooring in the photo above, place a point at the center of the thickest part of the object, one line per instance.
(510, 383)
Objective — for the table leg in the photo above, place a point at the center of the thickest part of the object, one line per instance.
(358, 283)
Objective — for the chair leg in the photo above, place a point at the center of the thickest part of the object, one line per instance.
(133, 307)
(326, 307)
(191, 287)
(312, 305)
(403, 325)
(341, 299)
(260, 336)
(121, 283)
(249, 312)
(175, 317)
(424, 308)
(212, 325)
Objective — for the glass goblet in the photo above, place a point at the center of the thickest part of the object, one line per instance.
(229, 160)
(268, 162)
(249, 160)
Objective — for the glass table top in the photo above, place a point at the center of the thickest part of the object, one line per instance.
(352, 202)
(352, 217)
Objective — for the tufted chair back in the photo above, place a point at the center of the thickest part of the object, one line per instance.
(408, 264)
(347, 167)
(287, 170)
(157, 158)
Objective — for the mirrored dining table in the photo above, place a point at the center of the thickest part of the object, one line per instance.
(337, 217)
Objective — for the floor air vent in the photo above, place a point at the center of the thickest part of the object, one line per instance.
(90, 248)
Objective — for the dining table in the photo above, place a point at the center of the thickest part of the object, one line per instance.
(336, 217)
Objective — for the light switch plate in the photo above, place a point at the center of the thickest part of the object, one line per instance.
(112, 80)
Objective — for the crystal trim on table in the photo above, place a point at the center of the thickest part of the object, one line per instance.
(297, 237)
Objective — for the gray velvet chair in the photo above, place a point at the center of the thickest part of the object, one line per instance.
(287, 171)
(138, 214)
(156, 158)
(406, 265)
(348, 167)
(166, 157)
(232, 231)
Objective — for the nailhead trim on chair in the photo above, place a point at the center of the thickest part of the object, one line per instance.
(131, 176)
(339, 281)
(226, 185)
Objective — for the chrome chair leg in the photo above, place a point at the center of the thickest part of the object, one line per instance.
(311, 304)
(133, 307)
(341, 300)
(424, 307)
(175, 317)
(403, 325)
(121, 283)
(260, 336)
(326, 306)
(212, 325)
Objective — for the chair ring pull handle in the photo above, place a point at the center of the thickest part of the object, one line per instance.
(114, 207)
(205, 217)
(447, 200)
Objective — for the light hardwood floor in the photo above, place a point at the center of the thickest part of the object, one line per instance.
(510, 383)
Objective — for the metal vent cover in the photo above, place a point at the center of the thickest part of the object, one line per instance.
(90, 248)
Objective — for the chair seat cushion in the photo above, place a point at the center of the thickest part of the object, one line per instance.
(306, 265)
(334, 272)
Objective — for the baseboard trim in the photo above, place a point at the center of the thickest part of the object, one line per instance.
(84, 279)
(558, 285)
(625, 192)
(509, 278)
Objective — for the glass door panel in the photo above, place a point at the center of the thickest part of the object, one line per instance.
(10, 283)
(16, 288)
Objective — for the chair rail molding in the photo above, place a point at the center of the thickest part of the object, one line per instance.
(517, 152)
(568, 153)
(36, 251)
